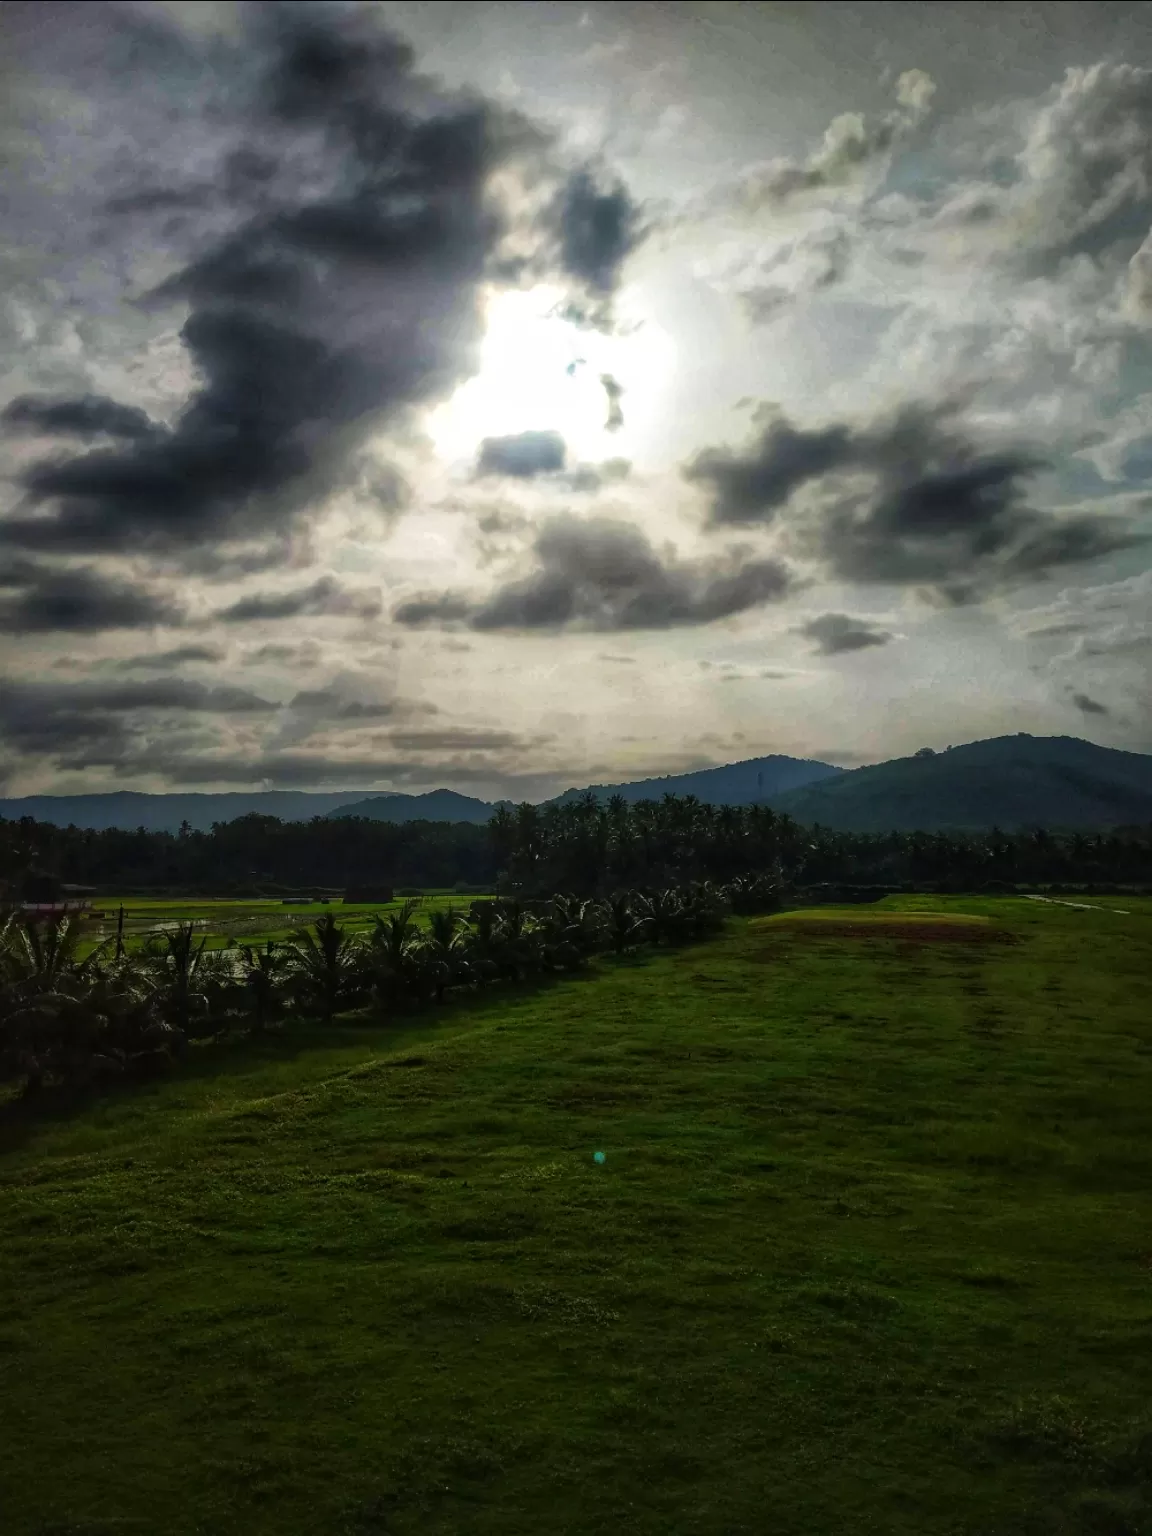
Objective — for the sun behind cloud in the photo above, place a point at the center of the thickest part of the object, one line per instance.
(540, 372)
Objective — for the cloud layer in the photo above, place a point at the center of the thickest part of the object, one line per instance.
(343, 290)
(601, 574)
(248, 511)
(913, 500)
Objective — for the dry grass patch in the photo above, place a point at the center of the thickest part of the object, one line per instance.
(906, 927)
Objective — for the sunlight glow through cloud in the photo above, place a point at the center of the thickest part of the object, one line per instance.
(539, 372)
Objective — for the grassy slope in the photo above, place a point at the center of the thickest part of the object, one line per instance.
(869, 1253)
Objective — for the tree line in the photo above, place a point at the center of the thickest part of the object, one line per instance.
(250, 855)
(586, 847)
(650, 873)
(590, 848)
(77, 1020)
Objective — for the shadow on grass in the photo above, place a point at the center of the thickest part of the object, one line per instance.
(232, 1053)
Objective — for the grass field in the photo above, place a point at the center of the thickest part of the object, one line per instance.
(870, 1251)
(227, 920)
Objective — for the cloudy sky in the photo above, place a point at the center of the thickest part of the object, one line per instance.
(514, 396)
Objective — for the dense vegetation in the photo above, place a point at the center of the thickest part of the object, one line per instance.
(868, 1252)
(253, 853)
(588, 847)
(75, 1019)
(584, 846)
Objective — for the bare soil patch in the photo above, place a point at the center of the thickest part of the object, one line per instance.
(901, 927)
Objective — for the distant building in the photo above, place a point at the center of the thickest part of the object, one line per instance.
(52, 909)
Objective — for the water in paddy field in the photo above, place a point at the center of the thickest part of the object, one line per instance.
(241, 921)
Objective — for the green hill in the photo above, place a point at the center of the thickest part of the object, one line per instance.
(1009, 781)
(759, 778)
(436, 805)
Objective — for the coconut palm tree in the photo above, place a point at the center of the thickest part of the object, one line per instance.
(183, 977)
(38, 956)
(483, 941)
(520, 949)
(661, 912)
(392, 959)
(262, 969)
(73, 1018)
(622, 925)
(749, 894)
(572, 930)
(322, 964)
(444, 950)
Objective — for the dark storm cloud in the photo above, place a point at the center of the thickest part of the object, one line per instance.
(347, 291)
(159, 199)
(79, 600)
(1089, 706)
(174, 658)
(322, 597)
(441, 608)
(101, 723)
(302, 770)
(306, 655)
(329, 704)
(939, 510)
(116, 698)
(1072, 541)
(605, 575)
(234, 562)
(523, 456)
(750, 486)
(614, 392)
(589, 478)
(80, 416)
(835, 633)
(461, 740)
(965, 529)
(598, 227)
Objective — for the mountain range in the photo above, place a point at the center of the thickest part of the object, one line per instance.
(760, 778)
(130, 808)
(1013, 782)
(736, 784)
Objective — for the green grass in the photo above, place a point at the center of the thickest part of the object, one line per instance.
(870, 1251)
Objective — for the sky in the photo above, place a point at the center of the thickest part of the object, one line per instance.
(507, 397)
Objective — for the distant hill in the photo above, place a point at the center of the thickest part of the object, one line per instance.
(1008, 781)
(735, 784)
(164, 813)
(436, 805)
(1013, 782)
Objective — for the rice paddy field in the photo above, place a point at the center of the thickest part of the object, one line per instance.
(839, 1223)
(228, 920)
